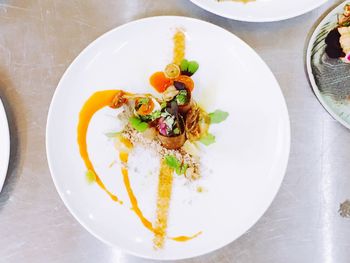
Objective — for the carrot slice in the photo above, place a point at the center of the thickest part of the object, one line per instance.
(159, 81)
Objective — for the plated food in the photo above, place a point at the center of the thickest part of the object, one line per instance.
(5, 145)
(259, 10)
(328, 58)
(176, 175)
(171, 125)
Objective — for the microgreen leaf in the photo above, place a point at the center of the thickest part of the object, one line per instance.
(174, 163)
(218, 116)
(90, 176)
(184, 65)
(137, 124)
(192, 67)
(207, 139)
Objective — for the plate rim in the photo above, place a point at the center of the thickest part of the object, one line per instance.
(287, 138)
(4, 130)
(310, 75)
(259, 20)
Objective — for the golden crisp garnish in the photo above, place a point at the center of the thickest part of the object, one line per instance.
(179, 47)
(165, 185)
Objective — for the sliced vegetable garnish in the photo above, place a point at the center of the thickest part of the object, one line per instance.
(137, 124)
(144, 106)
(160, 82)
(218, 116)
(90, 177)
(207, 139)
(174, 163)
(113, 134)
(172, 71)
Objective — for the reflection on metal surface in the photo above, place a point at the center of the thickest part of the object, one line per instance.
(344, 209)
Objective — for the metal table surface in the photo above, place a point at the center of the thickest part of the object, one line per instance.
(40, 38)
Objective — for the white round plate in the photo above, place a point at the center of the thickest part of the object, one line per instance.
(259, 10)
(329, 77)
(242, 171)
(5, 145)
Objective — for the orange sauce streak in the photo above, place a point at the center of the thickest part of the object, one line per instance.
(185, 238)
(96, 102)
(134, 203)
(124, 157)
(165, 186)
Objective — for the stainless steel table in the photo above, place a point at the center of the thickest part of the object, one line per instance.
(40, 38)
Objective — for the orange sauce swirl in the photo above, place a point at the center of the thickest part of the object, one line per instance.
(96, 102)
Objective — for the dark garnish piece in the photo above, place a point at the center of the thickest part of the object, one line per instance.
(333, 48)
(179, 85)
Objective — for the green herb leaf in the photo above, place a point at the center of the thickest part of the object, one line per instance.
(207, 139)
(90, 177)
(163, 104)
(174, 163)
(184, 65)
(218, 116)
(137, 124)
(192, 67)
(113, 134)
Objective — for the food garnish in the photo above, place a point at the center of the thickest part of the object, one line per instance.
(338, 39)
(171, 126)
(207, 139)
(218, 116)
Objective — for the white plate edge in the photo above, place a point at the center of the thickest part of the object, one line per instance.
(261, 20)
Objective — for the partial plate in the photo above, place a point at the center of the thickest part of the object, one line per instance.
(329, 78)
(259, 10)
(243, 169)
(5, 145)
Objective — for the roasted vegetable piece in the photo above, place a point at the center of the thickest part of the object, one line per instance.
(119, 100)
(160, 82)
